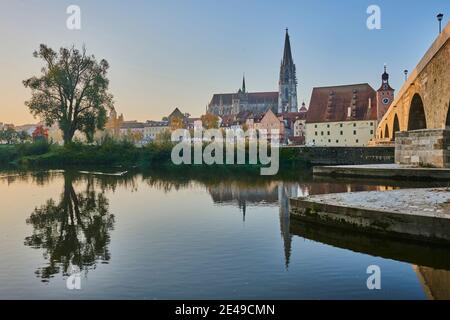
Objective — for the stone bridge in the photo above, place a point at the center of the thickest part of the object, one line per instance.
(418, 119)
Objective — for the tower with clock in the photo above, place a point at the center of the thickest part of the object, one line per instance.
(385, 95)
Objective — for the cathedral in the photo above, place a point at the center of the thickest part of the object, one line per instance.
(281, 101)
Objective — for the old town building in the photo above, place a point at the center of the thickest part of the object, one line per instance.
(341, 115)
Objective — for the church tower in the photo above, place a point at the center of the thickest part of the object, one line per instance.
(287, 92)
(385, 95)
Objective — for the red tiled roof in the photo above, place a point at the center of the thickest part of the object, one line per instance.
(330, 104)
(292, 116)
(297, 140)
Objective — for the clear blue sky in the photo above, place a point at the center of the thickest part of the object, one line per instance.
(178, 53)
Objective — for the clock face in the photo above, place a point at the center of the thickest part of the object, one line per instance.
(385, 100)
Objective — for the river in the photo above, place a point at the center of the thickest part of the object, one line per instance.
(156, 235)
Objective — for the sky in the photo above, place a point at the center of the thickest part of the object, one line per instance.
(177, 53)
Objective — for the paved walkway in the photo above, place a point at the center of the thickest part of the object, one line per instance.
(432, 202)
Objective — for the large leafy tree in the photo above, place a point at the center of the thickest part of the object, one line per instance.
(71, 91)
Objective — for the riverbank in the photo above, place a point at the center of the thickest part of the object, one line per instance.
(420, 214)
(125, 154)
(119, 154)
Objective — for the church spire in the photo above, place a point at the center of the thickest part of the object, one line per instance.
(287, 90)
(287, 55)
(243, 83)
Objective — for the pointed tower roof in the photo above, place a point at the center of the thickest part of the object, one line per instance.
(303, 108)
(287, 68)
(243, 84)
(385, 80)
(287, 55)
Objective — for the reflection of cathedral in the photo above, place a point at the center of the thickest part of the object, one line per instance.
(275, 192)
(285, 191)
(244, 196)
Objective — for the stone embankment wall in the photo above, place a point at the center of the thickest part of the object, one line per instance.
(339, 155)
(428, 148)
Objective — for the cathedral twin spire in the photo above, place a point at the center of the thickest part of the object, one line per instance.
(287, 91)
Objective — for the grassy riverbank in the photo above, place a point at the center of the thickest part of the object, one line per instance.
(113, 153)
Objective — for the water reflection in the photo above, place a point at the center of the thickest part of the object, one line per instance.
(73, 231)
(436, 283)
(277, 193)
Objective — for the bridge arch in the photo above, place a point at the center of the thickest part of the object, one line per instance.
(395, 127)
(416, 117)
(447, 121)
(386, 131)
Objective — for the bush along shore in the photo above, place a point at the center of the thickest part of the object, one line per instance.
(112, 153)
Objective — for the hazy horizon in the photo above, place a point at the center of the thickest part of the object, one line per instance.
(177, 53)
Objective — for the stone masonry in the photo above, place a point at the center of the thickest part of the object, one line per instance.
(429, 148)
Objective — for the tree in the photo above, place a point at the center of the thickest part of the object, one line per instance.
(210, 121)
(9, 135)
(40, 134)
(23, 136)
(176, 123)
(163, 137)
(72, 91)
(134, 136)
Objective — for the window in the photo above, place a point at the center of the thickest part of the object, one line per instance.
(357, 140)
(315, 126)
(315, 133)
(371, 131)
(328, 125)
(328, 133)
(321, 133)
(342, 133)
(354, 132)
(329, 140)
(337, 141)
(314, 141)
(340, 125)
(354, 124)
(371, 123)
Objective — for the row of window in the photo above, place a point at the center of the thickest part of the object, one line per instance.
(341, 125)
(337, 141)
(341, 132)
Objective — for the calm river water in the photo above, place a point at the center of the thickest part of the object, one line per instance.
(162, 236)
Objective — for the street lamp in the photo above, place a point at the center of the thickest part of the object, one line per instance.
(406, 74)
(439, 17)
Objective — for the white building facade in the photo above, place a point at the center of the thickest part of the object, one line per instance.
(340, 134)
(342, 116)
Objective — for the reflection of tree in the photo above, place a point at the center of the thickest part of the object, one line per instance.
(73, 232)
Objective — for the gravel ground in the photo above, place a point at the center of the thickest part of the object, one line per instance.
(434, 202)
